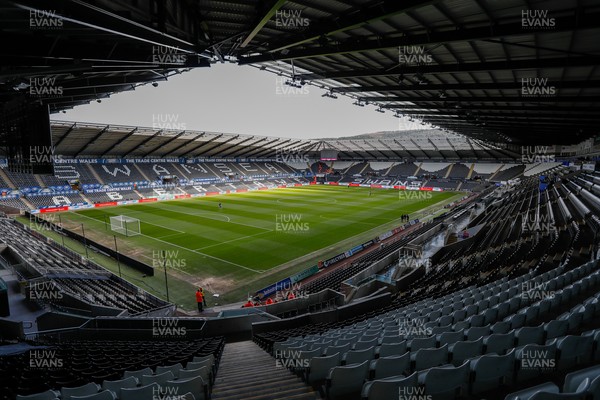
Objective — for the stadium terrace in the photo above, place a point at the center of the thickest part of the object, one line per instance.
(154, 248)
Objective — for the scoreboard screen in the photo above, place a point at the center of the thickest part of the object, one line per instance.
(329, 155)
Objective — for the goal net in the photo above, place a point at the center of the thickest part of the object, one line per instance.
(125, 225)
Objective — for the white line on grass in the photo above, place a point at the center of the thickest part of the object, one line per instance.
(354, 222)
(164, 227)
(232, 240)
(293, 200)
(204, 213)
(185, 248)
(175, 268)
(169, 235)
(204, 254)
(150, 223)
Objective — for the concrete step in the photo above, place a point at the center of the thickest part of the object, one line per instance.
(246, 372)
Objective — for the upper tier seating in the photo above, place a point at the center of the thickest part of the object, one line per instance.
(60, 272)
(469, 365)
(90, 367)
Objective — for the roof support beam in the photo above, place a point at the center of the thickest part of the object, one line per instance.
(485, 31)
(462, 86)
(220, 144)
(148, 139)
(227, 154)
(202, 144)
(92, 140)
(184, 144)
(500, 99)
(118, 142)
(408, 109)
(67, 133)
(253, 146)
(90, 16)
(463, 114)
(559, 62)
(226, 149)
(268, 15)
(355, 19)
(163, 144)
(248, 153)
(270, 149)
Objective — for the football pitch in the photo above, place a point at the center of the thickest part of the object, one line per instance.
(256, 237)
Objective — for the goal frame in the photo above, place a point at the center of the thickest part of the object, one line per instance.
(123, 224)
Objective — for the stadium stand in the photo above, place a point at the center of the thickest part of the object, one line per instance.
(507, 172)
(124, 173)
(356, 169)
(22, 180)
(54, 181)
(435, 170)
(462, 328)
(485, 171)
(79, 172)
(121, 367)
(52, 200)
(14, 202)
(459, 171)
(334, 279)
(73, 279)
(100, 197)
(491, 293)
(468, 298)
(403, 170)
(4, 184)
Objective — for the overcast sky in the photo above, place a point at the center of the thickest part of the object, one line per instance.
(237, 99)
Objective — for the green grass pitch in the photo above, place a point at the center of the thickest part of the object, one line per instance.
(254, 239)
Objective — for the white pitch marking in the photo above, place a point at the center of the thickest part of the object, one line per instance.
(232, 240)
(185, 248)
(229, 219)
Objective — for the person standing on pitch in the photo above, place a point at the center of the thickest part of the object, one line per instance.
(199, 299)
(203, 297)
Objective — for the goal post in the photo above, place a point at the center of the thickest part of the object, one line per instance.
(125, 225)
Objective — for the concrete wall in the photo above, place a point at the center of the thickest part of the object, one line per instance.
(340, 314)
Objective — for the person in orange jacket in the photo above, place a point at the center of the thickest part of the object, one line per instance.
(291, 296)
(269, 301)
(203, 297)
(249, 303)
(199, 299)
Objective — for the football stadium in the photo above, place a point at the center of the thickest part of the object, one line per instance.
(424, 224)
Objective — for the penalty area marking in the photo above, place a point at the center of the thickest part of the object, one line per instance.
(172, 234)
(212, 214)
(227, 219)
(299, 202)
(150, 223)
(233, 240)
(184, 248)
(172, 267)
(354, 222)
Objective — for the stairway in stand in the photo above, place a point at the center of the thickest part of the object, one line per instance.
(247, 372)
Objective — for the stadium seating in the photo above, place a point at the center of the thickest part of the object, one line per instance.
(14, 202)
(101, 197)
(520, 286)
(54, 200)
(403, 170)
(508, 172)
(144, 179)
(72, 278)
(91, 367)
(22, 180)
(491, 365)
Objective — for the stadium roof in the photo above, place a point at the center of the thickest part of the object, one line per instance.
(76, 139)
(518, 70)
